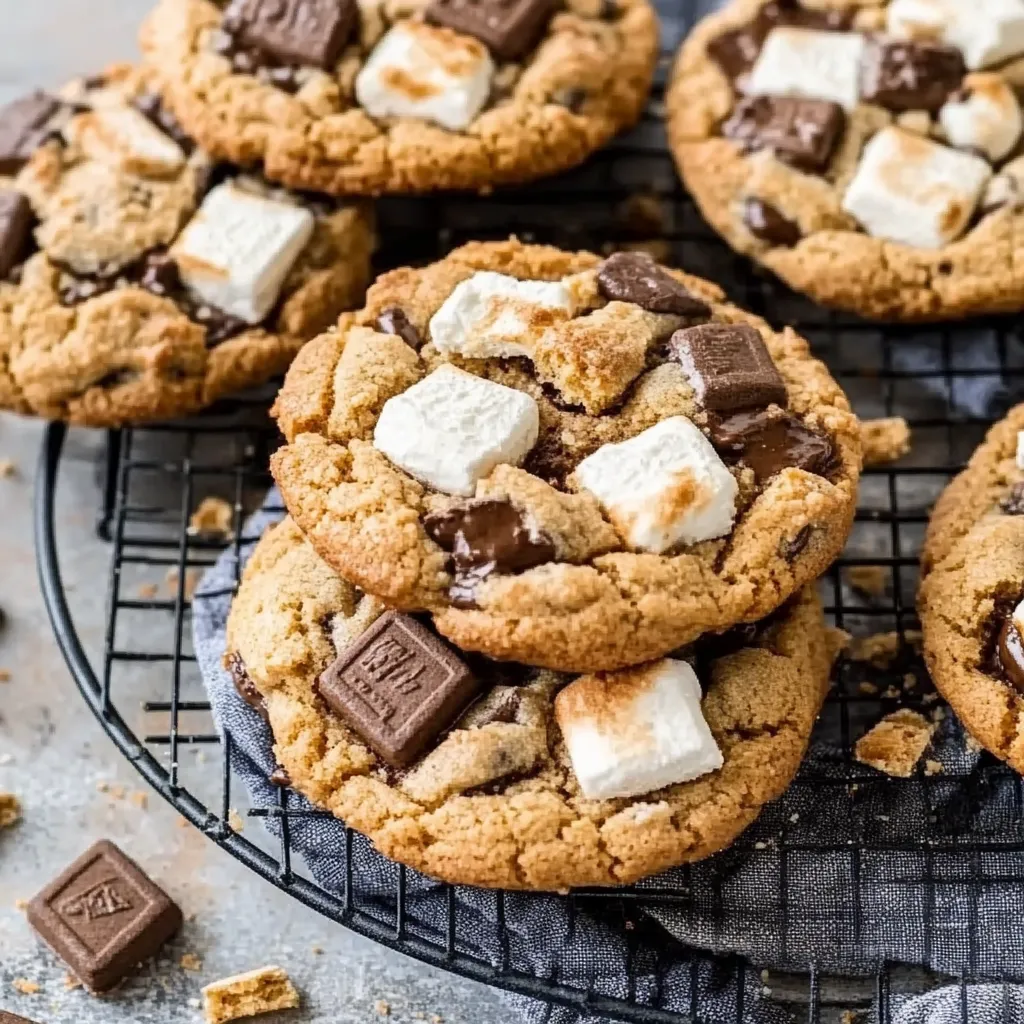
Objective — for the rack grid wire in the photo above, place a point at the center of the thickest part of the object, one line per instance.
(155, 476)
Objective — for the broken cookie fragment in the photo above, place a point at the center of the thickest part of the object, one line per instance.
(248, 995)
(896, 743)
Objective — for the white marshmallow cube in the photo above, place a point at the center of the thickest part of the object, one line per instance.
(451, 429)
(494, 315)
(120, 137)
(1020, 449)
(988, 119)
(811, 64)
(237, 250)
(663, 488)
(987, 32)
(1018, 617)
(636, 731)
(911, 190)
(421, 71)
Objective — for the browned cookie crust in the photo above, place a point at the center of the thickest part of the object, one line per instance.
(973, 565)
(95, 327)
(592, 600)
(586, 80)
(495, 802)
(790, 217)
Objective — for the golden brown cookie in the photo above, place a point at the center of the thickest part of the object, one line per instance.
(138, 280)
(568, 462)
(870, 162)
(494, 801)
(973, 581)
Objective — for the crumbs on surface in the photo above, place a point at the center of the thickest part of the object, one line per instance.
(881, 649)
(896, 743)
(246, 995)
(884, 440)
(871, 580)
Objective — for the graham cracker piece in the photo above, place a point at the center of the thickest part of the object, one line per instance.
(884, 440)
(896, 743)
(247, 995)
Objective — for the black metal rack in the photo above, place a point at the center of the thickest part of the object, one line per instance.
(962, 378)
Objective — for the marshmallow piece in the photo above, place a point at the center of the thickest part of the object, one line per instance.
(636, 731)
(494, 315)
(237, 250)
(1020, 449)
(122, 138)
(808, 63)
(985, 31)
(1018, 617)
(665, 487)
(986, 118)
(451, 429)
(912, 190)
(418, 70)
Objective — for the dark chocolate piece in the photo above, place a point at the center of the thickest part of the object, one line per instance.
(151, 106)
(280, 777)
(306, 32)
(1013, 503)
(23, 129)
(769, 442)
(764, 221)
(16, 220)
(394, 321)
(789, 549)
(903, 75)
(508, 28)
(398, 687)
(102, 915)
(1010, 651)
(160, 275)
(635, 277)
(244, 685)
(728, 366)
(802, 132)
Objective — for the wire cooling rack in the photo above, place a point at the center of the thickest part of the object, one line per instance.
(144, 683)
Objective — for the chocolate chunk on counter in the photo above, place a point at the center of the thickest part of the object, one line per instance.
(16, 220)
(768, 443)
(728, 367)
(23, 129)
(764, 221)
(398, 687)
(802, 132)
(635, 277)
(1010, 653)
(902, 75)
(394, 321)
(244, 685)
(307, 32)
(103, 915)
(508, 28)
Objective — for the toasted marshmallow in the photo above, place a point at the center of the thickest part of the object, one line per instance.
(985, 116)
(119, 136)
(237, 250)
(451, 429)
(494, 315)
(912, 190)
(1018, 617)
(664, 487)
(987, 32)
(636, 731)
(418, 70)
(808, 63)
(1020, 449)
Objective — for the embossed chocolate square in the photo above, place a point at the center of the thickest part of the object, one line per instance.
(508, 28)
(398, 687)
(904, 75)
(23, 126)
(293, 31)
(802, 132)
(103, 915)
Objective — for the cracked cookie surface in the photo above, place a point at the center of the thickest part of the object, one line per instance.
(103, 318)
(424, 109)
(494, 801)
(533, 529)
(871, 161)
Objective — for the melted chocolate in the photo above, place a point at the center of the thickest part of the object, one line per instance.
(1010, 653)
(764, 221)
(244, 685)
(768, 443)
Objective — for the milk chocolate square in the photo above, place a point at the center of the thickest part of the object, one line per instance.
(23, 127)
(310, 32)
(16, 221)
(508, 28)
(728, 366)
(802, 132)
(398, 687)
(102, 915)
(903, 75)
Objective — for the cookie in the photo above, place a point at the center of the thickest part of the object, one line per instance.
(508, 786)
(570, 463)
(971, 591)
(870, 155)
(138, 279)
(385, 96)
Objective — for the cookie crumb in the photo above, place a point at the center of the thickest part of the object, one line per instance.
(884, 440)
(932, 767)
(147, 591)
(235, 821)
(881, 649)
(896, 743)
(867, 689)
(10, 809)
(5, 675)
(7, 469)
(190, 962)
(246, 995)
(21, 905)
(871, 580)
(71, 983)
(140, 799)
(317, 950)
(26, 987)
(382, 1008)
(436, 1018)
(191, 582)
(212, 519)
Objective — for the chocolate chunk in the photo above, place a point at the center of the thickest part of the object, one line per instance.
(1013, 503)
(81, 289)
(307, 32)
(394, 321)
(736, 51)
(802, 132)
(151, 106)
(289, 80)
(902, 75)
(102, 915)
(398, 687)
(789, 549)
(764, 221)
(768, 443)
(508, 28)
(219, 326)
(728, 366)
(635, 277)
(160, 274)
(23, 129)
(1010, 652)
(244, 685)
(280, 777)
(16, 220)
